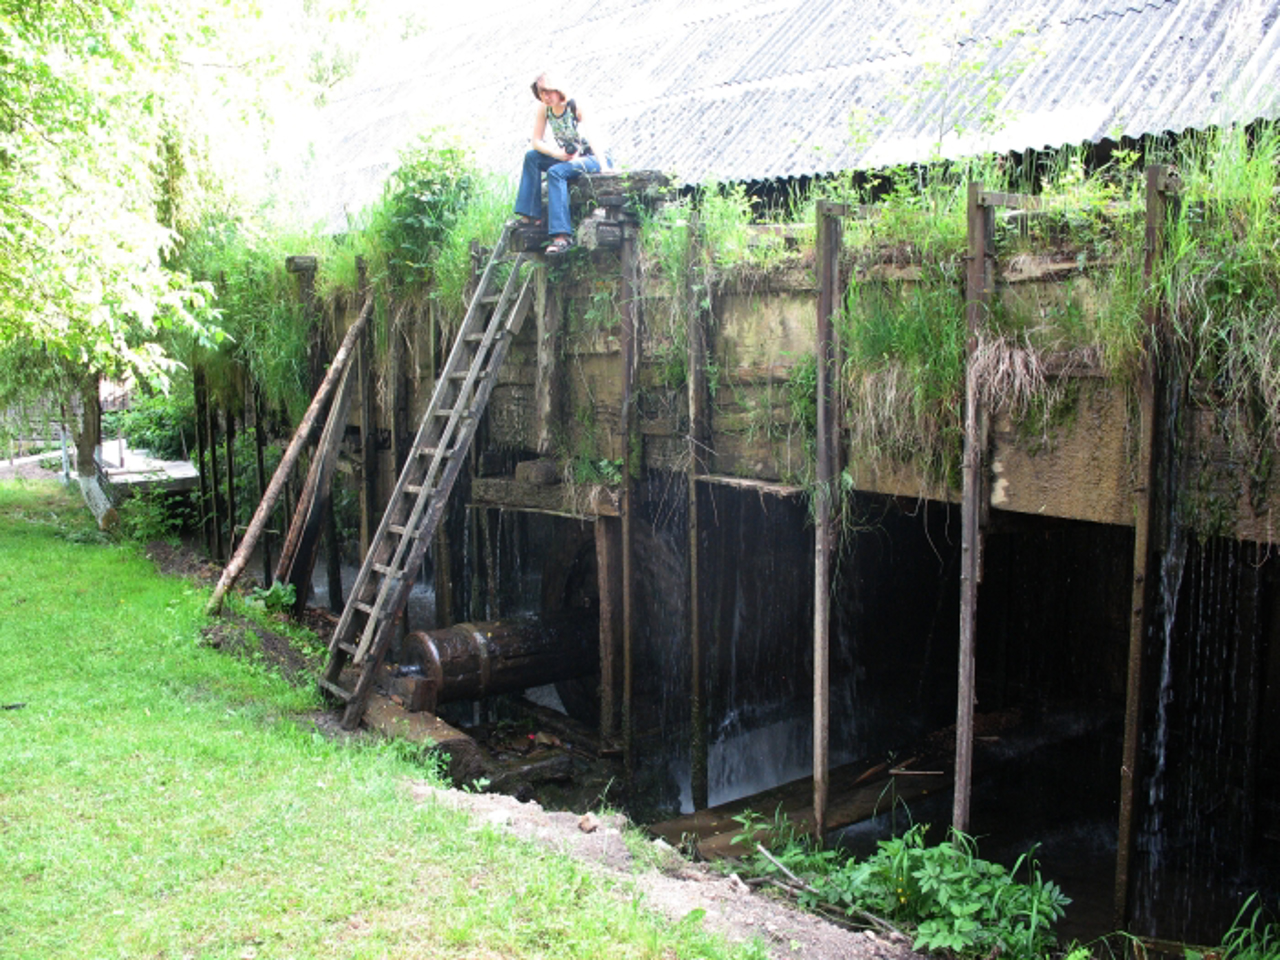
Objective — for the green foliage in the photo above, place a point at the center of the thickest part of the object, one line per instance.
(1221, 273)
(278, 598)
(421, 205)
(150, 515)
(952, 900)
(163, 425)
(259, 307)
(80, 255)
(904, 373)
(1252, 935)
(487, 207)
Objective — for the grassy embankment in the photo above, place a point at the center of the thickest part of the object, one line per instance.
(159, 799)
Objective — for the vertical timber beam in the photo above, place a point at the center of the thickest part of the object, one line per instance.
(230, 439)
(368, 429)
(630, 465)
(978, 281)
(699, 449)
(201, 389)
(828, 267)
(548, 388)
(211, 431)
(259, 446)
(1161, 185)
(609, 583)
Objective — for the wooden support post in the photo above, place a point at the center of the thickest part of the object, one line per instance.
(630, 466)
(699, 451)
(442, 564)
(1161, 184)
(230, 438)
(288, 460)
(260, 446)
(211, 431)
(548, 388)
(978, 281)
(609, 584)
(368, 431)
(302, 543)
(201, 390)
(828, 267)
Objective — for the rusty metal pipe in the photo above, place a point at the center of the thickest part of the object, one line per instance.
(472, 660)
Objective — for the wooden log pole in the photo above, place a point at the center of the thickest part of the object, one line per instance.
(211, 431)
(828, 266)
(630, 466)
(608, 531)
(981, 225)
(1160, 184)
(201, 389)
(229, 438)
(291, 454)
(260, 448)
(699, 443)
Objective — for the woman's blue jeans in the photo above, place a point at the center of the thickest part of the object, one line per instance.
(559, 173)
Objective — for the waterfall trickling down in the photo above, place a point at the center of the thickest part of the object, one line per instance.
(1204, 755)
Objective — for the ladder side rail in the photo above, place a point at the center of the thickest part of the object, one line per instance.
(374, 653)
(439, 396)
(464, 407)
(473, 396)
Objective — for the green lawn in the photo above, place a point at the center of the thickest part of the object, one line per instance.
(161, 800)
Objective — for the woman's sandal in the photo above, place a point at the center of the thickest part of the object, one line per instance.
(526, 221)
(558, 246)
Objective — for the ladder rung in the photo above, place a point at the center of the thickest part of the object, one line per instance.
(413, 488)
(383, 569)
(349, 648)
(400, 530)
(461, 375)
(491, 298)
(337, 691)
(431, 452)
(362, 606)
(445, 414)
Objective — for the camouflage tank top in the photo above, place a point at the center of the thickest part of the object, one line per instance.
(565, 129)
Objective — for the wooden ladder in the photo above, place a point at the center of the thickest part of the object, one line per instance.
(397, 549)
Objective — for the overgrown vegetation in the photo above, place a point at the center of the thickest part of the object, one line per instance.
(944, 895)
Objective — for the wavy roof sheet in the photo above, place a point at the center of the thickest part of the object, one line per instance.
(761, 89)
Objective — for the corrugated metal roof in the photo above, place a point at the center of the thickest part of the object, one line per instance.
(759, 89)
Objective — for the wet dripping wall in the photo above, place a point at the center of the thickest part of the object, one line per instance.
(1208, 817)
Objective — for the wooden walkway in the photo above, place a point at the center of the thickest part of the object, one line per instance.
(856, 793)
(133, 470)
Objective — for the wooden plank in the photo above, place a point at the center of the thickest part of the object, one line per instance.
(993, 198)
(857, 793)
(977, 286)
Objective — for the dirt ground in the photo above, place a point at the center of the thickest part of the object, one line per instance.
(26, 469)
(669, 883)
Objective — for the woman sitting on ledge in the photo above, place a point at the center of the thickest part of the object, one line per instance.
(567, 154)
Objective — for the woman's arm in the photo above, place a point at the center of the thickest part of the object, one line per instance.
(539, 141)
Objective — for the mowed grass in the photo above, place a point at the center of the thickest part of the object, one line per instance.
(161, 800)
